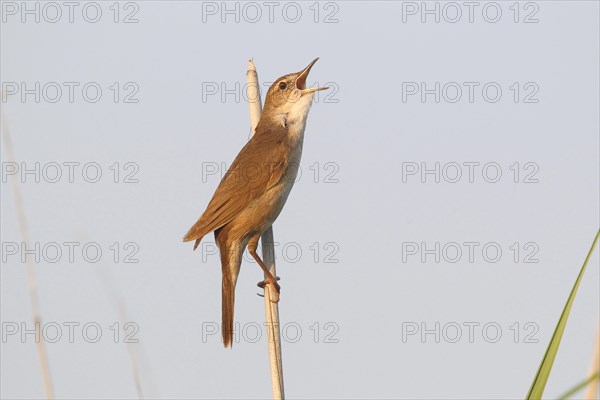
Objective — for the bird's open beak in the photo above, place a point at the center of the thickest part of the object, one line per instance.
(301, 80)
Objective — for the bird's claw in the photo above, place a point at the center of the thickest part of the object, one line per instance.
(262, 284)
(273, 282)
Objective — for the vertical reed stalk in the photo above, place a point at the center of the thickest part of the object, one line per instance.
(31, 282)
(268, 256)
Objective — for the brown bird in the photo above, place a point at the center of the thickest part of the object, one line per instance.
(256, 186)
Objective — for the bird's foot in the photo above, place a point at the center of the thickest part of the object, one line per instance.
(271, 281)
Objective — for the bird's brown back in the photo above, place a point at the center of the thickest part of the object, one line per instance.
(260, 165)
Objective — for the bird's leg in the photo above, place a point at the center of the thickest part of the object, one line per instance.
(252, 246)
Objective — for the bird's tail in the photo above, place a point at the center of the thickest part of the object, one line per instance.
(231, 260)
(227, 302)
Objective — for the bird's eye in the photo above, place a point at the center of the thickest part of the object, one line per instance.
(282, 85)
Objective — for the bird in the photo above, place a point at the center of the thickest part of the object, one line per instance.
(256, 186)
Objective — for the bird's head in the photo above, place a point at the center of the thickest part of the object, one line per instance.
(288, 100)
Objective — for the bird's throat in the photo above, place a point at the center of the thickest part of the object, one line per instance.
(296, 117)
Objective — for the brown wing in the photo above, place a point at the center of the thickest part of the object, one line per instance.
(259, 165)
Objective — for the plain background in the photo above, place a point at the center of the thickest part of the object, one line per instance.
(367, 133)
